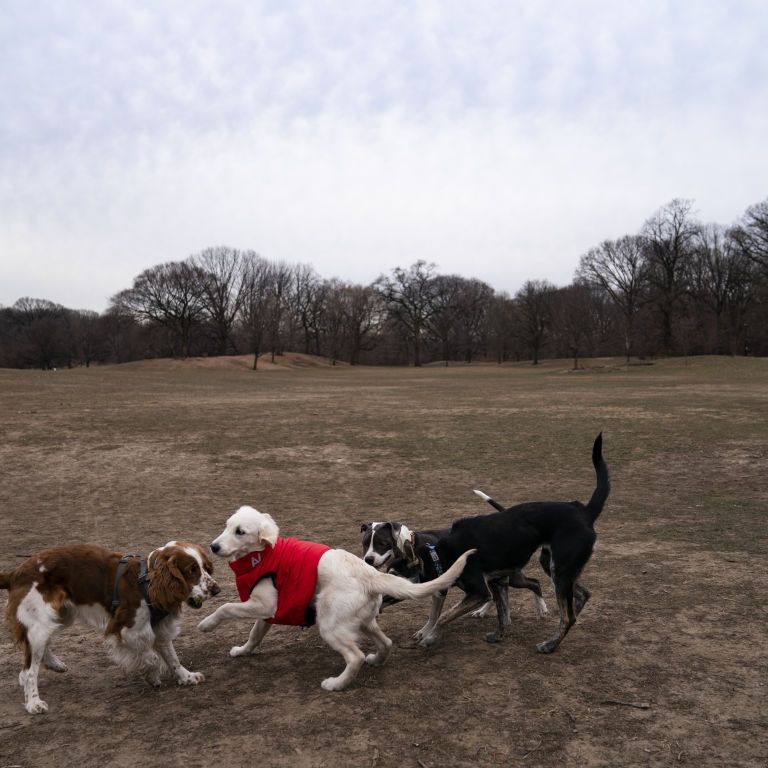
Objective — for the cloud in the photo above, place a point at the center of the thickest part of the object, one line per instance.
(498, 140)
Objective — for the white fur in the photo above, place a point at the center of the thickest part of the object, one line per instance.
(139, 648)
(347, 598)
(378, 559)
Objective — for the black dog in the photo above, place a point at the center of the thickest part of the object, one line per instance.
(505, 541)
(392, 546)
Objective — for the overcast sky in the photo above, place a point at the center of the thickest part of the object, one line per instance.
(498, 139)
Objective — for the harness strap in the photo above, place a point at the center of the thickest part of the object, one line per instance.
(435, 559)
(156, 614)
(118, 573)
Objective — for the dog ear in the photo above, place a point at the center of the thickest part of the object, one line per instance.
(167, 587)
(414, 561)
(268, 531)
(364, 527)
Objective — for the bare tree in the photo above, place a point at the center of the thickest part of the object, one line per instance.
(534, 302)
(172, 295)
(255, 312)
(309, 300)
(409, 295)
(574, 319)
(280, 284)
(721, 281)
(41, 338)
(443, 322)
(473, 303)
(751, 234)
(502, 320)
(363, 320)
(669, 236)
(223, 287)
(619, 268)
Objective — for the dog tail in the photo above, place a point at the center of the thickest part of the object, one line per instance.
(5, 579)
(603, 487)
(402, 589)
(492, 502)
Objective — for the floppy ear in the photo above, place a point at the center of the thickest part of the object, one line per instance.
(413, 560)
(268, 531)
(167, 587)
(364, 527)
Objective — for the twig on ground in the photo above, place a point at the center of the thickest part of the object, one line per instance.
(532, 751)
(621, 703)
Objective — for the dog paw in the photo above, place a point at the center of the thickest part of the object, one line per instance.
(332, 684)
(207, 624)
(239, 650)
(427, 641)
(374, 660)
(56, 665)
(36, 707)
(548, 646)
(154, 679)
(494, 637)
(541, 608)
(482, 611)
(191, 678)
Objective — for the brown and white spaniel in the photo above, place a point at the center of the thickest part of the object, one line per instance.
(136, 602)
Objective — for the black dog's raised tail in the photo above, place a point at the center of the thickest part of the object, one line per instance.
(603, 487)
(492, 502)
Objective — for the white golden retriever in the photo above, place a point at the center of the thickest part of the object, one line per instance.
(347, 596)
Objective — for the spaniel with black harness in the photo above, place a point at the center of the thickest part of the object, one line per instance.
(136, 602)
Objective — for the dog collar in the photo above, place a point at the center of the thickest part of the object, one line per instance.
(435, 559)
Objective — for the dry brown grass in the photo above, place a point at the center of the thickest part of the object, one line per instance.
(130, 456)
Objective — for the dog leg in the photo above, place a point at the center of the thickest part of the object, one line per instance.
(501, 598)
(262, 604)
(438, 601)
(53, 662)
(37, 639)
(39, 620)
(383, 644)
(259, 629)
(483, 610)
(183, 676)
(469, 603)
(567, 618)
(341, 639)
(518, 581)
(581, 595)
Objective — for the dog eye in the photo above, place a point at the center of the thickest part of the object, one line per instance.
(239, 531)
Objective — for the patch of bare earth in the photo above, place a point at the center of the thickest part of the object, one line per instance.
(666, 666)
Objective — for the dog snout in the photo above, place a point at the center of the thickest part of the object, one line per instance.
(215, 548)
(214, 589)
(370, 559)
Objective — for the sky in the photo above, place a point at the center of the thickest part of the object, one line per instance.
(499, 140)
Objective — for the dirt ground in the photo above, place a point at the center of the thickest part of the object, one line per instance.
(131, 456)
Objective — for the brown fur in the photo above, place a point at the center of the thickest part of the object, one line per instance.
(85, 574)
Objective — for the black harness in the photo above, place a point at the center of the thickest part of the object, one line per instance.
(435, 559)
(156, 614)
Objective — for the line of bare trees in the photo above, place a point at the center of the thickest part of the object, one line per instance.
(677, 286)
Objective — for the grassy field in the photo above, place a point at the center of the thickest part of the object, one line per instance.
(131, 456)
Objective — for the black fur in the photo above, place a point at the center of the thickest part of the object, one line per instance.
(505, 542)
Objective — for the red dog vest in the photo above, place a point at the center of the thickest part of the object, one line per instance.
(292, 565)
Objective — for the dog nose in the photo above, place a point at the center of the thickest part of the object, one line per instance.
(215, 589)
(215, 547)
(369, 559)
